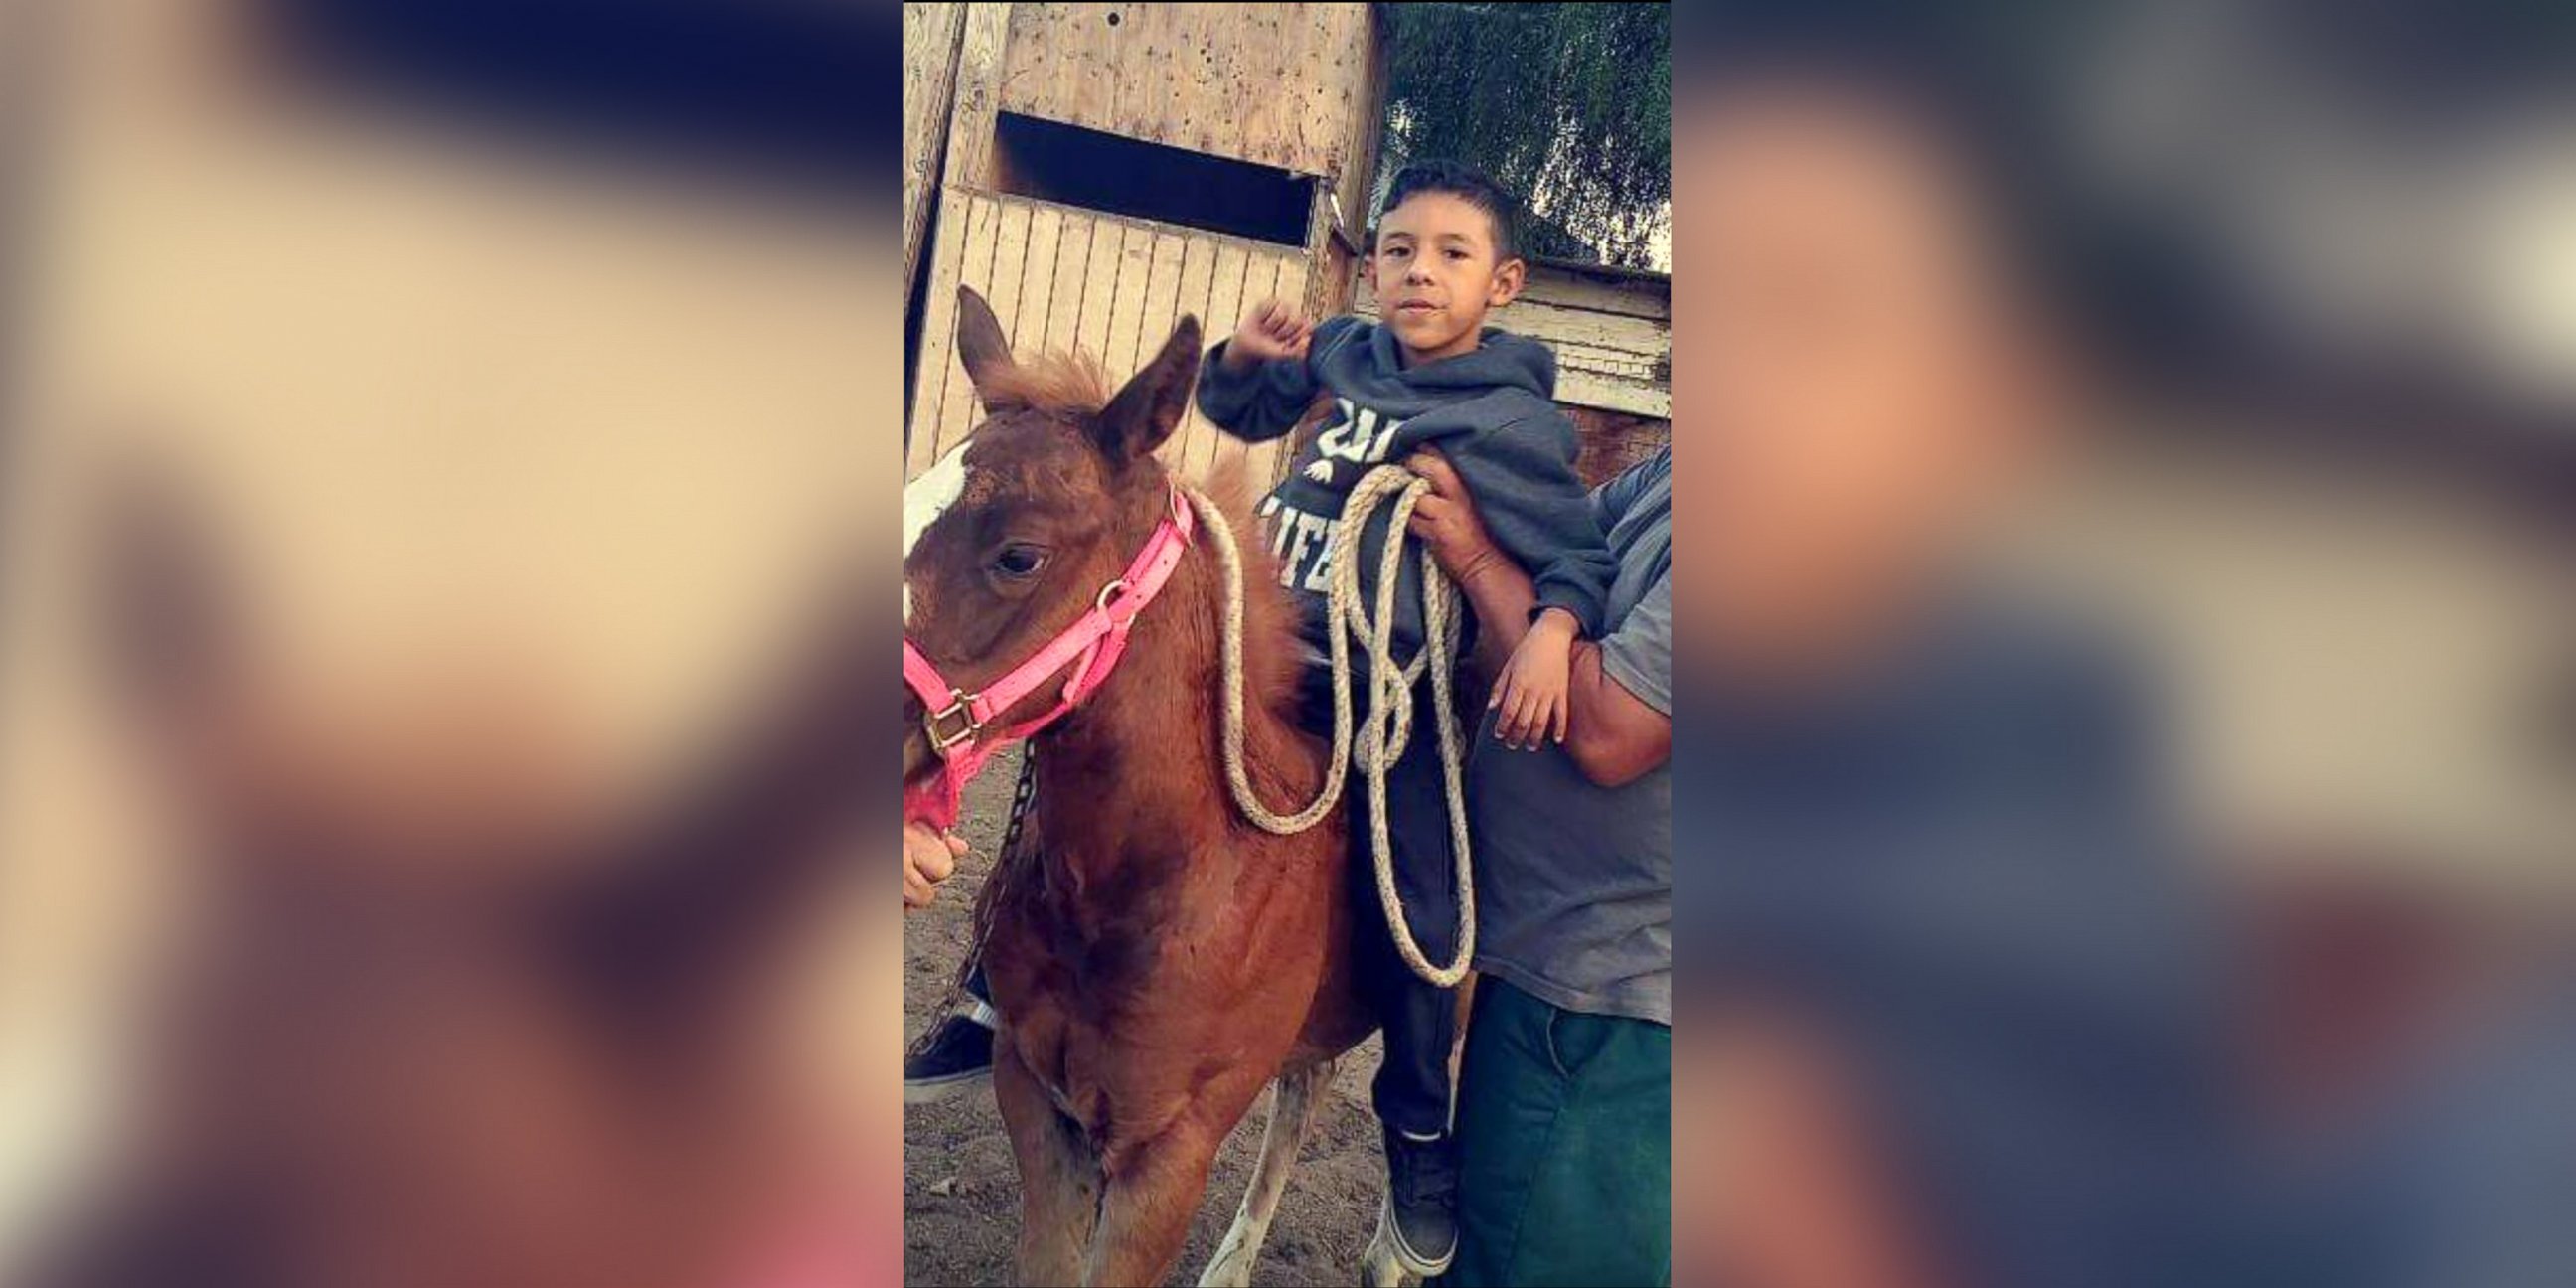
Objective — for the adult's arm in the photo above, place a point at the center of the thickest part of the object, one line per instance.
(1612, 734)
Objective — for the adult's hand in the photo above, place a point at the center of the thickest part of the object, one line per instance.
(1445, 519)
(929, 856)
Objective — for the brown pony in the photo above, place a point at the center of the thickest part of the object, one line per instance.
(1157, 959)
(432, 1026)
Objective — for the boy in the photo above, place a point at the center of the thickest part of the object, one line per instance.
(1431, 374)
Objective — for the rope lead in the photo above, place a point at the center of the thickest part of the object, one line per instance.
(1381, 738)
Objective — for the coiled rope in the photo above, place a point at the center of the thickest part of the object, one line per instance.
(1381, 737)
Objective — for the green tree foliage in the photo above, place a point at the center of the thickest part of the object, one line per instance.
(1568, 105)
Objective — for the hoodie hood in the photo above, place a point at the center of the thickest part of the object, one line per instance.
(1500, 360)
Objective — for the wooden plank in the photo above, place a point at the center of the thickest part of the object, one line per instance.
(1162, 301)
(1136, 101)
(1062, 63)
(1323, 129)
(1198, 120)
(1318, 297)
(1072, 258)
(1127, 302)
(1361, 75)
(1341, 274)
(938, 334)
(1099, 286)
(1232, 93)
(931, 32)
(1645, 299)
(980, 50)
(1037, 279)
(1161, 310)
(1635, 398)
(1555, 323)
(1263, 111)
(1293, 279)
(1198, 270)
(1226, 304)
(1001, 286)
(1040, 62)
(1201, 288)
(958, 410)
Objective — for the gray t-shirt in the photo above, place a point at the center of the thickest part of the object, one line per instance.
(1574, 882)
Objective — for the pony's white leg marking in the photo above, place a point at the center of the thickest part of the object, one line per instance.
(1291, 1100)
(924, 500)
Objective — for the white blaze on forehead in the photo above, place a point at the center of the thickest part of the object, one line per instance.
(924, 500)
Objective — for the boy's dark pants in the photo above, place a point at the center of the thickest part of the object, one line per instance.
(1420, 1019)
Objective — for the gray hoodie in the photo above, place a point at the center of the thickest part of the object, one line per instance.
(1488, 410)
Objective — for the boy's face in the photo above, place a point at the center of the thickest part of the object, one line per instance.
(1436, 272)
(1860, 384)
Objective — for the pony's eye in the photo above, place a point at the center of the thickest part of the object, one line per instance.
(1019, 561)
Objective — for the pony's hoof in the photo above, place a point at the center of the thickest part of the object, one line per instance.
(1379, 1266)
(1232, 1265)
(1229, 1270)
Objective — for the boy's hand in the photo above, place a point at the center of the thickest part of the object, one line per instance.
(1274, 332)
(1531, 694)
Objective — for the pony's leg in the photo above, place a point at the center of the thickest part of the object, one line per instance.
(1145, 1212)
(1059, 1176)
(1291, 1101)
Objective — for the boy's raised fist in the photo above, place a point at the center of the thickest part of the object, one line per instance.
(1273, 332)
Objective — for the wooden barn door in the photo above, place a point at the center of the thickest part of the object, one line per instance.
(1059, 277)
(1294, 87)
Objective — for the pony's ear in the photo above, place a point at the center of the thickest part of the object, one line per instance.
(1149, 408)
(986, 351)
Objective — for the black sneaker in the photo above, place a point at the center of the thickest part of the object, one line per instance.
(1421, 1210)
(958, 1055)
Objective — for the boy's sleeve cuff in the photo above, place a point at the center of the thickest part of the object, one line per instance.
(1586, 611)
(1223, 395)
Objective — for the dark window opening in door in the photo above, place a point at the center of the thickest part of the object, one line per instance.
(1073, 166)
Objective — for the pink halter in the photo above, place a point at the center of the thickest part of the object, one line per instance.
(957, 721)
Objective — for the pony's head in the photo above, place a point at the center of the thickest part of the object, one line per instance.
(1012, 536)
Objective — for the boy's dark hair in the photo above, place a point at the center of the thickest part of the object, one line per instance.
(1467, 183)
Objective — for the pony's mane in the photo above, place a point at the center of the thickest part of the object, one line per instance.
(1055, 382)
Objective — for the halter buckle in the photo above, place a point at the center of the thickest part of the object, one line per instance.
(1100, 603)
(967, 725)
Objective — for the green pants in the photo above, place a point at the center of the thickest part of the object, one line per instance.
(1565, 1137)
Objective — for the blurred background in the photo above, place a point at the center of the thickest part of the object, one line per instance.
(2307, 269)
(513, 372)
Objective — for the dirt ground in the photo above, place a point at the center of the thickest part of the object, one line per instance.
(961, 1195)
